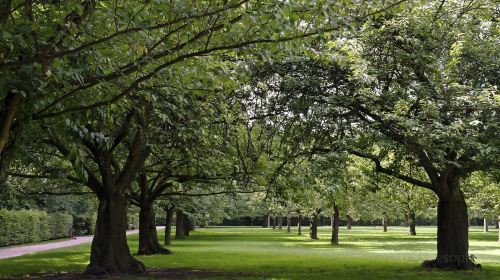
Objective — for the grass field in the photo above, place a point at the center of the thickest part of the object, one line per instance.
(364, 253)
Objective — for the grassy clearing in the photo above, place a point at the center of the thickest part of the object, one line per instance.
(364, 253)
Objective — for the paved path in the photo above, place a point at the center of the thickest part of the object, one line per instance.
(11, 252)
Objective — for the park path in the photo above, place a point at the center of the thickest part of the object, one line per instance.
(10, 252)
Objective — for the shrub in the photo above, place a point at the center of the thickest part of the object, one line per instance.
(84, 224)
(26, 226)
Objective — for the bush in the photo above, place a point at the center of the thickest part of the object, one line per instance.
(27, 226)
(84, 224)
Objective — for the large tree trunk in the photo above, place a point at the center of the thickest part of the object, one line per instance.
(168, 225)
(109, 252)
(335, 225)
(280, 222)
(179, 225)
(313, 227)
(288, 224)
(265, 221)
(485, 224)
(349, 222)
(299, 225)
(497, 224)
(452, 233)
(148, 238)
(412, 223)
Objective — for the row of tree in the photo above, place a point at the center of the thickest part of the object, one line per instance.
(137, 102)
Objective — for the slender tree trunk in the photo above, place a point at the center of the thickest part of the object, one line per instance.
(349, 222)
(384, 223)
(148, 237)
(335, 225)
(268, 220)
(498, 224)
(288, 223)
(188, 225)
(280, 222)
(110, 252)
(12, 106)
(274, 222)
(452, 233)
(265, 221)
(412, 223)
(313, 228)
(179, 225)
(485, 224)
(299, 225)
(168, 225)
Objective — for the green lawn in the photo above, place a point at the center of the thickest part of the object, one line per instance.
(364, 253)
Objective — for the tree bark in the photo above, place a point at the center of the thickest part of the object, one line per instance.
(299, 225)
(274, 222)
(148, 237)
(452, 233)
(349, 222)
(288, 223)
(265, 221)
(168, 225)
(280, 222)
(412, 224)
(179, 225)
(485, 224)
(313, 227)
(110, 252)
(498, 224)
(335, 225)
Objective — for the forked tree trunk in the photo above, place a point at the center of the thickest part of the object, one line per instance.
(335, 225)
(349, 222)
(148, 238)
(299, 225)
(280, 222)
(288, 224)
(485, 224)
(313, 227)
(168, 225)
(179, 225)
(412, 223)
(452, 233)
(110, 252)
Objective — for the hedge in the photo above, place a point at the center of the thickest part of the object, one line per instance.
(27, 226)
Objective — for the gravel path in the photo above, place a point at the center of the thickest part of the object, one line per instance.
(10, 252)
